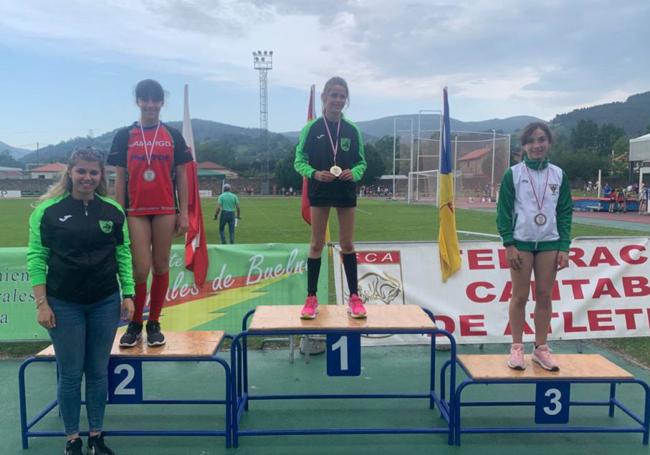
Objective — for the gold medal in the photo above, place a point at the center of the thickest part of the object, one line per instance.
(336, 170)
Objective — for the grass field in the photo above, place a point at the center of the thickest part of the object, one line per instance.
(277, 220)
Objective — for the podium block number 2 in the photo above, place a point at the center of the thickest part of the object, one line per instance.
(124, 381)
(552, 402)
(344, 354)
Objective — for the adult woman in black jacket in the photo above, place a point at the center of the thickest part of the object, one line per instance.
(78, 247)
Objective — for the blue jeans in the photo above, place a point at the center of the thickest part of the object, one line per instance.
(82, 340)
(227, 217)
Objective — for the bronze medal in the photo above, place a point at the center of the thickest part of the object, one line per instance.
(540, 219)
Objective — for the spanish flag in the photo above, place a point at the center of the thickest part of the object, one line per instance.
(447, 235)
(305, 207)
(196, 249)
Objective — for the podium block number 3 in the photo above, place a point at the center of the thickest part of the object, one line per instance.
(552, 402)
(124, 381)
(344, 355)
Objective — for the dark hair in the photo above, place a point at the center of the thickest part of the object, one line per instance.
(149, 89)
(64, 184)
(530, 129)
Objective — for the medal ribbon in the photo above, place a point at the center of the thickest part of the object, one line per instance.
(335, 145)
(149, 153)
(539, 205)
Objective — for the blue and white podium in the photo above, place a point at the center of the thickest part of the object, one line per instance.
(343, 359)
(127, 382)
(552, 401)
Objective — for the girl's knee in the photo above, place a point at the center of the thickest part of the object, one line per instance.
(347, 246)
(317, 246)
(161, 266)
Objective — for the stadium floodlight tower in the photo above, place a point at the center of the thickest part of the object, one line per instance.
(263, 63)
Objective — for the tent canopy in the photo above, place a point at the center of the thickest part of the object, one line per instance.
(640, 148)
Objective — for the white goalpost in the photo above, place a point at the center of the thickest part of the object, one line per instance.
(422, 186)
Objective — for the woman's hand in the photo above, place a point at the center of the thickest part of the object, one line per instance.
(182, 224)
(128, 308)
(324, 176)
(513, 257)
(45, 316)
(562, 260)
(346, 175)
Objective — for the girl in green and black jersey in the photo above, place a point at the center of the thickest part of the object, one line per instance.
(331, 155)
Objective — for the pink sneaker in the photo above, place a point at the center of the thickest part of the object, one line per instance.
(356, 308)
(542, 356)
(516, 360)
(310, 310)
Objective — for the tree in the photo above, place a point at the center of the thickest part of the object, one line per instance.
(584, 136)
(376, 166)
(9, 161)
(285, 174)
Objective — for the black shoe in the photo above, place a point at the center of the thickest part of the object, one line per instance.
(132, 335)
(96, 446)
(154, 336)
(74, 447)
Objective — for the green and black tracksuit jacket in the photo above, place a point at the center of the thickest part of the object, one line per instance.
(314, 153)
(78, 249)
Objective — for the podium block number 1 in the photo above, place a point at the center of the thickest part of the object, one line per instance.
(344, 354)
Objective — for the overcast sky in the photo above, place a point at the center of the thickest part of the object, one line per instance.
(68, 68)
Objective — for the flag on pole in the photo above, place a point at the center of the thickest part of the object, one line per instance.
(305, 207)
(196, 250)
(447, 235)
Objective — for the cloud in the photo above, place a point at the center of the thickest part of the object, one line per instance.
(545, 53)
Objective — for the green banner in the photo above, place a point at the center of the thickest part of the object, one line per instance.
(240, 278)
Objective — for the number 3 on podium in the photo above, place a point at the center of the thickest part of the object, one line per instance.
(124, 381)
(552, 402)
(344, 354)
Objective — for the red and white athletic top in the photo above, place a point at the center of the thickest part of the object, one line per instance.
(151, 188)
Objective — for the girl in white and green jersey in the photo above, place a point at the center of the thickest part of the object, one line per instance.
(534, 220)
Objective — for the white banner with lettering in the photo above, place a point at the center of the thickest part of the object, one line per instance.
(605, 292)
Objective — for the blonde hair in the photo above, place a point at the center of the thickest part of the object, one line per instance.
(64, 184)
(331, 82)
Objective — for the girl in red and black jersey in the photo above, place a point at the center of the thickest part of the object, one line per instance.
(151, 185)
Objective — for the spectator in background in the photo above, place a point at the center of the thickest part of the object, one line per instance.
(228, 206)
(607, 190)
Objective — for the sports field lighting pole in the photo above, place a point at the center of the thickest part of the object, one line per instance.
(263, 63)
(494, 141)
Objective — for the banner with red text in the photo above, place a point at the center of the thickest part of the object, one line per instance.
(605, 292)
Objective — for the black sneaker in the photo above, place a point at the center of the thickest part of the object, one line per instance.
(96, 446)
(132, 335)
(74, 447)
(154, 336)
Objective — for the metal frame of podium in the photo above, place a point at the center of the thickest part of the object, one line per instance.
(172, 351)
(574, 369)
(239, 360)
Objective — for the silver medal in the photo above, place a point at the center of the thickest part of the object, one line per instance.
(149, 175)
